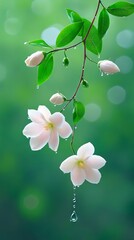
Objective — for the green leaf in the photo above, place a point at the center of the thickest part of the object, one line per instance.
(45, 69)
(121, 9)
(103, 23)
(68, 34)
(38, 42)
(93, 42)
(73, 16)
(78, 111)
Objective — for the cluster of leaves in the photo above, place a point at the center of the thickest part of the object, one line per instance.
(88, 33)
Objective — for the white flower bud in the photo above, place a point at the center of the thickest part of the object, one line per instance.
(57, 99)
(108, 67)
(34, 59)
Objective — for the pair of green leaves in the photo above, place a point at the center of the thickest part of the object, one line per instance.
(119, 9)
(79, 27)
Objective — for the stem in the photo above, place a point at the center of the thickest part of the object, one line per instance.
(65, 48)
(72, 140)
(96, 12)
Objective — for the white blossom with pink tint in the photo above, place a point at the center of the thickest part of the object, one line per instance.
(35, 59)
(108, 67)
(46, 128)
(84, 165)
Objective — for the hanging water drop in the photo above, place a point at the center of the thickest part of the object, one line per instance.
(37, 87)
(55, 152)
(54, 105)
(73, 217)
(74, 48)
(65, 139)
(75, 127)
(102, 74)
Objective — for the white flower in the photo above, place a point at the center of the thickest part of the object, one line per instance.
(57, 99)
(84, 165)
(46, 128)
(108, 67)
(34, 59)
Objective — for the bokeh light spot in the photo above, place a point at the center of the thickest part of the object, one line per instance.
(50, 34)
(3, 72)
(125, 64)
(116, 94)
(125, 38)
(41, 7)
(93, 112)
(12, 26)
(32, 203)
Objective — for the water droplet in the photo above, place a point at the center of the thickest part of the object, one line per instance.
(98, 55)
(25, 42)
(107, 74)
(73, 217)
(66, 139)
(75, 129)
(54, 105)
(37, 87)
(55, 152)
(74, 48)
(74, 200)
(63, 109)
(102, 74)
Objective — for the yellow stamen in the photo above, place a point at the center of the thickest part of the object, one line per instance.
(81, 164)
(49, 126)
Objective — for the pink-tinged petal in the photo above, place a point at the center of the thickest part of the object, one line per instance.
(96, 162)
(54, 140)
(85, 151)
(35, 116)
(39, 142)
(77, 176)
(45, 112)
(93, 175)
(57, 119)
(68, 164)
(65, 130)
(33, 129)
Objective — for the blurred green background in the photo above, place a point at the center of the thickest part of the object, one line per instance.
(35, 196)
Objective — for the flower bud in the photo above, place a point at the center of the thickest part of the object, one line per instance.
(57, 99)
(34, 59)
(65, 61)
(85, 83)
(108, 67)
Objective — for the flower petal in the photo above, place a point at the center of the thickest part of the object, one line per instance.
(85, 151)
(35, 116)
(54, 140)
(92, 175)
(45, 112)
(39, 142)
(96, 162)
(57, 118)
(68, 164)
(77, 176)
(65, 130)
(32, 129)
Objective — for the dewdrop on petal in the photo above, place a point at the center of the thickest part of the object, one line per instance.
(57, 99)
(108, 67)
(35, 59)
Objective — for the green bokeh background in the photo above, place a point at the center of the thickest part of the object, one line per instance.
(35, 196)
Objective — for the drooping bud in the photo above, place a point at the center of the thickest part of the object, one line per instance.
(57, 99)
(65, 61)
(108, 67)
(35, 59)
(85, 83)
